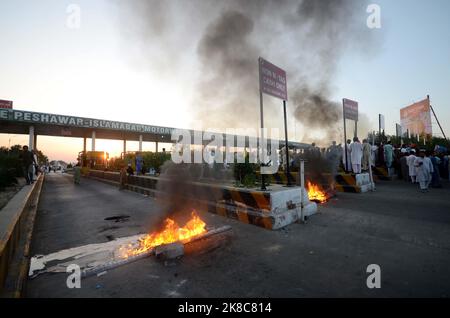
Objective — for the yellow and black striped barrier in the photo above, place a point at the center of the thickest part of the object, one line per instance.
(381, 173)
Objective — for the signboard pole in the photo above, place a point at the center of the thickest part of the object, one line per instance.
(272, 81)
(288, 174)
(379, 128)
(345, 138)
(261, 110)
(434, 114)
(356, 128)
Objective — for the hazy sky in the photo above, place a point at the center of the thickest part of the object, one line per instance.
(48, 67)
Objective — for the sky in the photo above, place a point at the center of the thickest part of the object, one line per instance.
(47, 66)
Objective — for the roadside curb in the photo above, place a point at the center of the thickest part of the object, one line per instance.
(16, 240)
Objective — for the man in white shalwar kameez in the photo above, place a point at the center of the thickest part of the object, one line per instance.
(356, 153)
(412, 169)
(429, 164)
(422, 171)
(346, 157)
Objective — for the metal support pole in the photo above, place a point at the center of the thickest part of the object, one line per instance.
(439, 124)
(156, 146)
(288, 174)
(31, 138)
(124, 146)
(140, 143)
(93, 141)
(345, 138)
(302, 188)
(263, 177)
(35, 142)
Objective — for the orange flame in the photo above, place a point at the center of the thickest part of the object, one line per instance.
(315, 193)
(171, 233)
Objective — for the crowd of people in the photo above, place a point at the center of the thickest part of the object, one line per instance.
(408, 162)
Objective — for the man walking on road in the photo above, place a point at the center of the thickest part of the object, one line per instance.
(423, 171)
(27, 160)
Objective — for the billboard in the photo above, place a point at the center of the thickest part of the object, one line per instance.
(272, 79)
(350, 109)
(6, 104)
(416, 118)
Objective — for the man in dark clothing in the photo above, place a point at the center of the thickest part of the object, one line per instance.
(404, 167)
(130, 170)
(27, 159)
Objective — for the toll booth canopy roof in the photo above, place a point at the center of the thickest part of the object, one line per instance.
(15, 121)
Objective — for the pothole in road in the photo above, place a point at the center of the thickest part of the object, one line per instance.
(118, 218)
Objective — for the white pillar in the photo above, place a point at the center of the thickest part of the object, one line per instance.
(31, 138)
(156, 146)
(140, 143)
(93, 141)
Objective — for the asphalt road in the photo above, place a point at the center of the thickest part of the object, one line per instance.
(405, 232)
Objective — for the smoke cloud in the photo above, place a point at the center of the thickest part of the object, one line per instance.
(222, 40)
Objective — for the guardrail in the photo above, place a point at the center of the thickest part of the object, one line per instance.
(13, 225)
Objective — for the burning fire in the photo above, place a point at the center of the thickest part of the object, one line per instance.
(315, 193)
(171, 233)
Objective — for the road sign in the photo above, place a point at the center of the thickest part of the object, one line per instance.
(8, 104)
(350, 109)
(272, 80)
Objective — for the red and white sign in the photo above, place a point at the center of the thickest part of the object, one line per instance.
(272, 79)
(350, 109)
(6, 104)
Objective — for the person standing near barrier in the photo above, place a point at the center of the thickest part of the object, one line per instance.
(388, 155)
(356, 153)
(123, 178)
(77, 174)
(346, 160)
(404, 167)
(366, 155)
(436, 175)
(412, 169)
(427, 161)
(27, 160)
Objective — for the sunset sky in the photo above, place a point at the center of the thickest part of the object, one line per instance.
(93, 71)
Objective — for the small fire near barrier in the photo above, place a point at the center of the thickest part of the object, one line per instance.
(316, 193)
(171, 233)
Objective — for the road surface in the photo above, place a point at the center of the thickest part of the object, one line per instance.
(405, 232)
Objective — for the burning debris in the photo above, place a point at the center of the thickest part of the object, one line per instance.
(171, 242)
(316, 193)
(171, 233)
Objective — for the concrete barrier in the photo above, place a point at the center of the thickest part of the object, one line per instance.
(15, 235)
(269, 209)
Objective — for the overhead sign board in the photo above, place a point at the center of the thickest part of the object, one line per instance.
(272, 80)
(72, 121)
(6, 104)
(350, 109)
